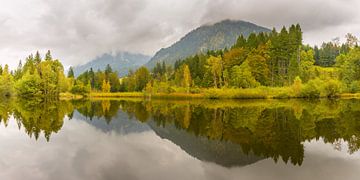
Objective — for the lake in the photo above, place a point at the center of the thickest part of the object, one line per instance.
(180, 139)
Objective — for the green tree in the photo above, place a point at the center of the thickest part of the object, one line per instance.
(114, 82)
(351, 40)
(258, 62)
(49, 78)
(306, 64)
(29, 85)
(328, 53)
(18, 72)
(48, 56)
(36, 77)
(241, 76)
(349, 66)
(79, 88)
(214, 64)
(235, 56)
(37, 58)
(6, 82)
(108, 71)
(29, 65)
(91, 76)
(71, 72)
(142, 77)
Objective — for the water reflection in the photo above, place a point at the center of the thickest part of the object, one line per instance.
(228, 133)
(258, 129)
(35, 115)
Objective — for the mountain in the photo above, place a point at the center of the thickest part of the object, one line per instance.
(121, 123)
(224, 153)
(121, 62)
(208, 37)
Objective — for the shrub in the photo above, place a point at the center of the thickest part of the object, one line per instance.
(354, 87)
(296, 87)
(195, 90)
(282, 95)
(80, 88)
(162, 87)
(331, 88)
(311, 90)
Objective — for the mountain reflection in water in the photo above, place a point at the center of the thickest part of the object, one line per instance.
(227, 133)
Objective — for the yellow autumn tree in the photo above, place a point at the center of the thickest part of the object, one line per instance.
(187, 78)
(106, 86)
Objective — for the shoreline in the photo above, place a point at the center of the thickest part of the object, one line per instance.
(224, 95)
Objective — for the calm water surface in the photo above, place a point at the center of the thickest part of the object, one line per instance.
(201, 139)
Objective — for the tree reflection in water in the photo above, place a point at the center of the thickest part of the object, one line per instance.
(226, 132)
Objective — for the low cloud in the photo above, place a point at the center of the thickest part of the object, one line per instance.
(78, 31)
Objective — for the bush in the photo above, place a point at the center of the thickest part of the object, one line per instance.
(354, 87)
(195, 90)
(162, 87)
(310, 90)
(79, 88)
(331, 88)
(283, 95)
(296, 86)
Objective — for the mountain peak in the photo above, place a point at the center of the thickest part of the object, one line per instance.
(214, 36)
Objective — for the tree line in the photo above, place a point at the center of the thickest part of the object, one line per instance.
(274, 59)
(38, 77)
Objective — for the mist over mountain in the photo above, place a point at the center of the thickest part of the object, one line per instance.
(121, 62)
(207, 37)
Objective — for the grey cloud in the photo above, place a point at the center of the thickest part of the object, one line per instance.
(321, 20)
(276, 13)
(78, 31)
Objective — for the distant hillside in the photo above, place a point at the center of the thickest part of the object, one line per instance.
(121, 123)
(223, 153)
(208, 37)
(120, 62)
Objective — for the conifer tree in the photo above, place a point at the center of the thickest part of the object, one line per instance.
(37, 58)
(71, 72)
(48, 56)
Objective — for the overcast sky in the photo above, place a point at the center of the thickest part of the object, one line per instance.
(78, 31)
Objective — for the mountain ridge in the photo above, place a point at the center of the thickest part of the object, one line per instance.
(214, 36)
(121, 62)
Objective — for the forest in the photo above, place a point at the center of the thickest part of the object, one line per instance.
(263, 65)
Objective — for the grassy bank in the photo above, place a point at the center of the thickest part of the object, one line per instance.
(225, 93)
(175, 95)
(69, 96)
(115, 95)
(349, 96)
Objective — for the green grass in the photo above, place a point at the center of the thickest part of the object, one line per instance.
(349, 96)
(177, 95)
(262, 92)
(116, 94)
(143, 95)
(67, 95)
(235, 93)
